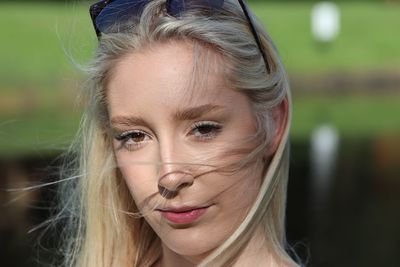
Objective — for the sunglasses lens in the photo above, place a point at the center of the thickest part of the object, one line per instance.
(177, 7)
(117, 15)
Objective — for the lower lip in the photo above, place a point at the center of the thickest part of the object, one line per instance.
(183, 217)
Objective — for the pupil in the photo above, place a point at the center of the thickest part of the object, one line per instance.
(138, 137)
(206, 129)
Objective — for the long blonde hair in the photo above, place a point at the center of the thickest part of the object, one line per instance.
(99, 232)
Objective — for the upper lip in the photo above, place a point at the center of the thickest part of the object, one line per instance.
(182, 208)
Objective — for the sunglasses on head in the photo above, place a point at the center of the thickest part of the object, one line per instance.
(107, 13)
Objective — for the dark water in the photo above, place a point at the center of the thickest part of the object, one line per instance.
(353, 222)
(356, 221)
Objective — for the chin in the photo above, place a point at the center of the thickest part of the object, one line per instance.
(191, 243)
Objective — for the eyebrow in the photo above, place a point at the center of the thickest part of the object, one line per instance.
(128, 120)
(185, 114)
(196, 112)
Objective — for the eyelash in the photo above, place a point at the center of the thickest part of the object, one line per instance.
(213, 130)
(125, 137)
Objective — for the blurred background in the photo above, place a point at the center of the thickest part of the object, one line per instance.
(343, 59)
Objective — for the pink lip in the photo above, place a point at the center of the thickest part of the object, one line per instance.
(184, 215)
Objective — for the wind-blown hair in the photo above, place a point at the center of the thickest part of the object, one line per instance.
(100, 231)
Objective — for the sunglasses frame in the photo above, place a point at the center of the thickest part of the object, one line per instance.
(96, 9)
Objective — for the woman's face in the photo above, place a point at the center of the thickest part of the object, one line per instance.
(172, 130)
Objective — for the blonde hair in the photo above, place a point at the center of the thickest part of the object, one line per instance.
(99, 232)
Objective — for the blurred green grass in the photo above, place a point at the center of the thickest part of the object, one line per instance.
(36, 39)
(355, 117)
(39, 80)
(369, 37)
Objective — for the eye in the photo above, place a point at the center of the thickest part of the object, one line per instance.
(205, 130)
(133, 140)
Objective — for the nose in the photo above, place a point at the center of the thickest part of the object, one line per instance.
(171, 183)
(173, 173)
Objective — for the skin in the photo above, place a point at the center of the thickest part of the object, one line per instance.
(172, 137)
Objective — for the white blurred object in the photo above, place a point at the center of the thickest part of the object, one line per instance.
(324, 150)
(325, 21)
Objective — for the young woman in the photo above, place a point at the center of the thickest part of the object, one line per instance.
(183, 148)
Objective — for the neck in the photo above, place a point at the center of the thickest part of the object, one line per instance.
(256, 252)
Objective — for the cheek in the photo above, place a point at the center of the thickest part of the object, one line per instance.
(140, 180)
(244, 187)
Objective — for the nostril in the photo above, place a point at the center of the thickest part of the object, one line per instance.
(168, 194)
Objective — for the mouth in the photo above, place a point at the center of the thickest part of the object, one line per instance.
(183, 215)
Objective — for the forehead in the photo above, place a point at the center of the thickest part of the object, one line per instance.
(173, 74)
